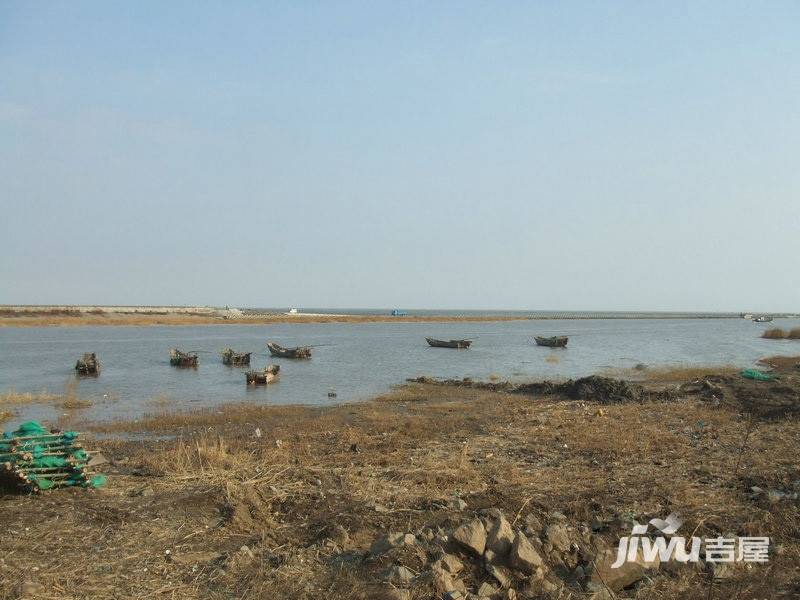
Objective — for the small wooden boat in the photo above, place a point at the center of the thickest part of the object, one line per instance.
(461, 344)
(268, 375)
(763, 319)
(556, 341)
(281, 352)
(88, 364)
(235, 359)
(182, 359)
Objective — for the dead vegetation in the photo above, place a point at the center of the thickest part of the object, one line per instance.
(75, 318)
(15, 397)
(285, 502)
(671, 374)
(775, 333)
(782, 334)
(67, 400)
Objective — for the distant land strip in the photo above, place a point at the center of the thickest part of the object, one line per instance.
(74, 315)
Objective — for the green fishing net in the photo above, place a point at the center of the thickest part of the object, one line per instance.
(47, 460)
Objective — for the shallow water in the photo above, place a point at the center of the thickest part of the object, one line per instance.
(356, 360)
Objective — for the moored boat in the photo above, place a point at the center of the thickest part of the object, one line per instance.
(88, 364)
(182, 359)
(281, 352)
(556, 341)
(461, 344)
(763, 319)
(268, 375)
(235, 359)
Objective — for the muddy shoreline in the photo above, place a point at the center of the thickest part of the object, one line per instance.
(364, 500)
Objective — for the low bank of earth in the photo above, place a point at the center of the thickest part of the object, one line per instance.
(434, 489)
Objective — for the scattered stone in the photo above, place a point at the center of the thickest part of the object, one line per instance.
(391, 540)
(458, 504)
(558, 516)
(487, 590)
(533, 526)
(443, 582)
(524, 556)
(500, 537)
(391, 593)
(399, 574)
(626, 574)
(472, 536)
(557, 536)
(501, 574)
(451, 564)
(454, 595)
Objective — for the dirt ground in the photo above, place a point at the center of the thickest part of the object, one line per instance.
(293, 502)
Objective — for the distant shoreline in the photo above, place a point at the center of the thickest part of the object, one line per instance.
(75, 316)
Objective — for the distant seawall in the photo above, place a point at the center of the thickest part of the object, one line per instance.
(114, 309)
(116, 314)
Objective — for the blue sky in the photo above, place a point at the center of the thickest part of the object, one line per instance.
(575, 155)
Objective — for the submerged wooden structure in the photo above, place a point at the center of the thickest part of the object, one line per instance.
(281, 352)
(268, 375)
(556, 341)
(235, 359)
(182, 359)
(88, 364)
(460, 344)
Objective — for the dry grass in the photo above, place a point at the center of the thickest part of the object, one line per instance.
(67, 318)
(775, 333)
(685, 373)
(677, 374)
(68, 399)
(794, 333)
(781, 362)
(14, 397)
(392, 465)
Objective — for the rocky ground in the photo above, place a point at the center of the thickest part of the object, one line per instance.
(437, 490)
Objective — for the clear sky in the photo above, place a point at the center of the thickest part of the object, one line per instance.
(551, 155)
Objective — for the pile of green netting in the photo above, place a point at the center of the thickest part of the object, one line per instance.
(34, 459)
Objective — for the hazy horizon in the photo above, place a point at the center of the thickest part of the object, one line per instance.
(617, 156)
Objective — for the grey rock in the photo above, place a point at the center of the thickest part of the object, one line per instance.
(501, 574)
(391, 540)
(458, 504)
(451, 564)
(556, 534)
(500, 537)
(626, 574)
(399, 574)
(472, 536)
(487, 590)
(524, 556)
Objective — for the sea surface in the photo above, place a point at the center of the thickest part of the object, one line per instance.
(355, 361)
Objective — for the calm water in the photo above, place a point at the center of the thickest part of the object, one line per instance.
(356, 361)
